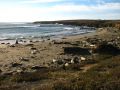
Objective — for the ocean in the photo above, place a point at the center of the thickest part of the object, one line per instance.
(28, 31)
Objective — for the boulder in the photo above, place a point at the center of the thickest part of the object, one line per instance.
(76, 50)
(107, 49)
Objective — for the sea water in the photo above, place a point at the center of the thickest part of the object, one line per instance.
(13, 31)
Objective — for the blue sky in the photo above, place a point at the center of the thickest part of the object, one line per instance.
(40, 10)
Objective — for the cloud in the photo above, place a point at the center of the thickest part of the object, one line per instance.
(40, 1)
(60, 11)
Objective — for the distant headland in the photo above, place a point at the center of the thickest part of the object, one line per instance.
(85, 22)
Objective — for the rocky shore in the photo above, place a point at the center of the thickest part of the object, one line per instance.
(74, 53)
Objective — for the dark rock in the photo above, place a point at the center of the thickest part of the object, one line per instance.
(75, 60)
(60, 62)
(16, 42)
(76, 50)
(8, 43)
(16, 64)
(12, 45)
(24, 41)
(56, 42)
(0, 71)
(36, 67)
(7, 73)
(21, 40)
(107, 49)
(29, 44)
(30, 41)
(2, 43)
(23, 59)
(32, 48)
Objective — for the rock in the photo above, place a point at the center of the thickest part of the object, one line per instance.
(29, 44)
(24, 41)
(16, 42)
(66, 64)
(30, 41)
(82, 58)
(60, 42)
(2, 43)
(7, 73)
(8, 43)
(19, 71)
(20, 40)
(48, 39)
(38, 67)
(32, 48)
(34, 52)
(75, 60)
(60, 62)
(23, 59)
(107, 49)
(32, 56)
(0, 71)
(15, 64)
(54, 60)
(76, 50)
(93, 46)
(12, 45)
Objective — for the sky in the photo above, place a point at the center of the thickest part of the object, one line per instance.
(46, 10)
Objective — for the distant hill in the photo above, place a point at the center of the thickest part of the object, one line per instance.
(91, 23)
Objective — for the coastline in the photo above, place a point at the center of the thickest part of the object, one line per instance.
(49, 46)
(37, 58)
(28, 40)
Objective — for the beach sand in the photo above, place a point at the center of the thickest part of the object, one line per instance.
(26, 63)
(45, 51)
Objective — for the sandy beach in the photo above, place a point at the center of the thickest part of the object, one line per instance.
(43, 52)
(23, 57)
